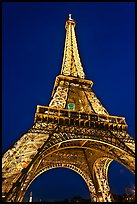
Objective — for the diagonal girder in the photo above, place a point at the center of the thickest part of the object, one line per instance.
(72, 138)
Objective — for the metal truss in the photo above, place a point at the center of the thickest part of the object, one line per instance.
(67, 147)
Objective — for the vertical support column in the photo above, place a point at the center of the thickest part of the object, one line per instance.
(101, 170)
(59, 97)
(92, 190)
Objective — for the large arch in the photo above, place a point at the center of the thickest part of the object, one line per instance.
(97, 153)
(57, 184)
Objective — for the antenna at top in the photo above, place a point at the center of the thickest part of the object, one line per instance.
(70, 17)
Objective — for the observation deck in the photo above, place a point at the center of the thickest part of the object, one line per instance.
(77, 118)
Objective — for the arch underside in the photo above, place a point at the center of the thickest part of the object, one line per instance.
(86, 151)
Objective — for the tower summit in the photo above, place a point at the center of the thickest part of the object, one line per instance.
(70, 17)
(71, 65)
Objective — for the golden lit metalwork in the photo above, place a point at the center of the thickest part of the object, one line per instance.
(71, 65)
(75, 131)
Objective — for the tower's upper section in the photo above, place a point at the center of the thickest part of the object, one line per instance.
(71, 65)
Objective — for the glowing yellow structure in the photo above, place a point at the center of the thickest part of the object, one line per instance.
(75, 131)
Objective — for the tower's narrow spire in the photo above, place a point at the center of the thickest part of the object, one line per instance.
(70, 17)
(71, 65)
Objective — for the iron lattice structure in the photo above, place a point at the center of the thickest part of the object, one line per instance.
(75, 131)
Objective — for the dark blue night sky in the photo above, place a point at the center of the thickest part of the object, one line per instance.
(33, 36)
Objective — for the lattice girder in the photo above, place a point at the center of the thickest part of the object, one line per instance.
(101, 176)
(68, 89)
(61, 159)
(71, 65)
(104, 143)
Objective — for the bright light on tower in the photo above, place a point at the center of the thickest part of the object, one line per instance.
(30, 198)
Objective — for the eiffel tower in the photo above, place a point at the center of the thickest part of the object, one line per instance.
(74, 131)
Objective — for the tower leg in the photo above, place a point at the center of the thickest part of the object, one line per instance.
(101, 173)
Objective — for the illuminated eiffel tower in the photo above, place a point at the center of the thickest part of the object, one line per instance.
(75, 131)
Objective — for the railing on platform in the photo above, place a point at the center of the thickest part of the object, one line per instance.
(43, 111)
